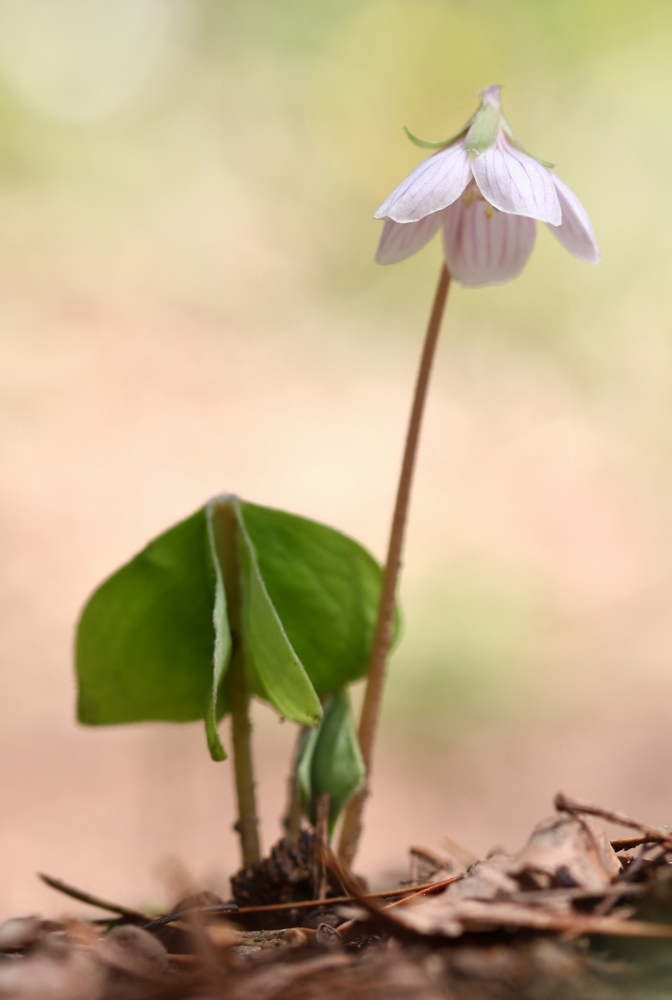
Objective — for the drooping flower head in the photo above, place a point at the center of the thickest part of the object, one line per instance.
(485, 192)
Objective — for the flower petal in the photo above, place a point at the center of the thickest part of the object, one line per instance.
(400, 240)
(515, 183)
(434, 184)
(484, 246)
(575, 231)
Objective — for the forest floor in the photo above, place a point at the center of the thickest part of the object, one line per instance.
(573, 914)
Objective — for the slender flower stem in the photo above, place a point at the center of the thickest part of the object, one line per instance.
(352, 822)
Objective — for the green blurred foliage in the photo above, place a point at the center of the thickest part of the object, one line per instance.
(304, 106)
(262, 155)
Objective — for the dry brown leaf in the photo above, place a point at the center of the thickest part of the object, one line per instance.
(566, 851)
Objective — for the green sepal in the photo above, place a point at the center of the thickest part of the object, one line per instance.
(481, 133)
(331, 762)
(442, 143)
(484, 129)
(508, 131)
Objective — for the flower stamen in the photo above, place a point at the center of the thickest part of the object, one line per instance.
(471, 195)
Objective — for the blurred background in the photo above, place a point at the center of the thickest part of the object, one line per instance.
(189, 304)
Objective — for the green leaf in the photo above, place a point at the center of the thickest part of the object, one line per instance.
(155, 640)
(324, 587)
(277, 674)
(331, 762)
(145, 639)
(223, 644)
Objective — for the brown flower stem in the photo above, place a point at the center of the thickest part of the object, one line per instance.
(247, 824)
(382, 638)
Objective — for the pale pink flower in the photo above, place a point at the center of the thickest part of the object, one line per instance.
(485, 192)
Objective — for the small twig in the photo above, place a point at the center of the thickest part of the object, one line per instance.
(180, 916)
(629, 843)
(380, 912)
(564, 804)
(87, 897)
(434, 889)
(305, 904)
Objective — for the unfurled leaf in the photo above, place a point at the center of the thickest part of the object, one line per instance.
(331, 762)
(155, 640)
(145, 639)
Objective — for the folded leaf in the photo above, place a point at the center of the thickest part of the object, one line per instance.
(277, 675)
(155, 640)
(324, 587)
(223, 644)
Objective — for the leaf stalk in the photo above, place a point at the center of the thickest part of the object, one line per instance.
(239, 696)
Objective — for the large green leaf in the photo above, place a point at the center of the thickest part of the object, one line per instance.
(145, 639)
(331, 762)
(155, 641)
(324, 587)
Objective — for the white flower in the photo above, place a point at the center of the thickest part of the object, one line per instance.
(485, 192)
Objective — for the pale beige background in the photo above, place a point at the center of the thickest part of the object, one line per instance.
(188, 304)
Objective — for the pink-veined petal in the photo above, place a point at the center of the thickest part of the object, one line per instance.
(400, 240)
(434, 184)
(515, 183)
(575, 231)
(484, 246)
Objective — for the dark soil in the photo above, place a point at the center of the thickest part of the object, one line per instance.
(288, 875)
